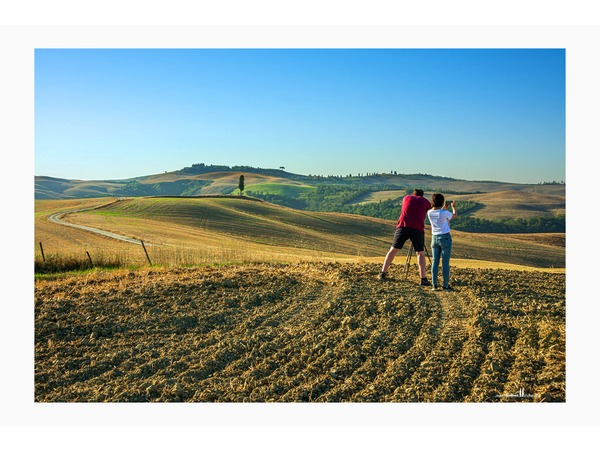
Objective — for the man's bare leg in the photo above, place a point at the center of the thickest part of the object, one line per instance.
(422, 264)
(388, 259)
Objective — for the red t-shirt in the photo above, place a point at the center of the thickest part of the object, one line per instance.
(414, 210)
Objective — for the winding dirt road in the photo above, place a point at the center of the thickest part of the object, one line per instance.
(57, 218)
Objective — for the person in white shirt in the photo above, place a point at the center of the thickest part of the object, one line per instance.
(441, 240)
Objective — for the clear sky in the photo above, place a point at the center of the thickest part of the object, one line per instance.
(482, 114)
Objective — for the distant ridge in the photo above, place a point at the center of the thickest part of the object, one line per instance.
(200, 179)
(201, 168)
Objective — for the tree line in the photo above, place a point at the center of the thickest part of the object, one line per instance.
(544, 224)
(343, 199)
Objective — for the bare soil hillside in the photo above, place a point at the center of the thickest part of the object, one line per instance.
(516, 204)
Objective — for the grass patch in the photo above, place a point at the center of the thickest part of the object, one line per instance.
(287, 190)
(72, 263)
(83, 272)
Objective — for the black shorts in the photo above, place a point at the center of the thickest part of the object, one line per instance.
(417, 237)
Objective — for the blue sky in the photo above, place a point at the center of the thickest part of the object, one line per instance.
(473, 114)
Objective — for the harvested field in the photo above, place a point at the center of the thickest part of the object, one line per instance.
(305, 332)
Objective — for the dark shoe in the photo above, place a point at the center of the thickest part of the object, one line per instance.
(435, 288)
(425, 282)
(382, 276)
(448, 288)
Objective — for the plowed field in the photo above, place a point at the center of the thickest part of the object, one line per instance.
(318, 332)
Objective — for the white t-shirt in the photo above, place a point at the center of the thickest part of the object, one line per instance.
(439, 220)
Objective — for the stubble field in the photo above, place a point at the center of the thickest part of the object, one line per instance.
(299, 332)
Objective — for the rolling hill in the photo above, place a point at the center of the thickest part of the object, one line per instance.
(224, 180)
(484, 206)
(250, 229)
(494, 205)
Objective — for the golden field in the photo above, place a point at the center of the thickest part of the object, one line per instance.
(216, 229)
(251, 302)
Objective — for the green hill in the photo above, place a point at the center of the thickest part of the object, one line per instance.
(281, 189)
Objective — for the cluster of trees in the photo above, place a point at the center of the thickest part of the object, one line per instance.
(535, 225)
(276, 199)
(344, 199)
(332, 198)
(201, 168)
(327, 198)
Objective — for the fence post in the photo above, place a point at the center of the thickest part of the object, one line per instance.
(146, 251)
(42, 249)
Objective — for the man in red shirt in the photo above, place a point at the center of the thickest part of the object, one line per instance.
(411, 225)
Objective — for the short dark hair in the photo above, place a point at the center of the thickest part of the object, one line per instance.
(418, 192)
(438, 200)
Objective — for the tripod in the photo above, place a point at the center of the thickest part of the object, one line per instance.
(411, 250)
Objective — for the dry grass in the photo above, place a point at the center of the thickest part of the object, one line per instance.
(56, 238)
(202, 229)
(308, 332)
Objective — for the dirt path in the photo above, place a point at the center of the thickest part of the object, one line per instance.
(57, 218)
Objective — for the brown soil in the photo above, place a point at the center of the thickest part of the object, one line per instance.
(307, 332)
